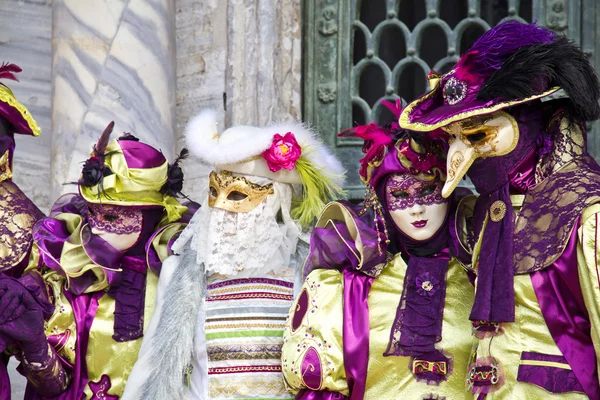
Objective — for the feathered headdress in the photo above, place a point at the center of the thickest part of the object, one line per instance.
(127, 172)
(288, 153)
(512, 63)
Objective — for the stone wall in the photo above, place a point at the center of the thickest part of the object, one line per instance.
(117, 60)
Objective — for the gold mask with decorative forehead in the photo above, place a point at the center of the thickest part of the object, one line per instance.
(235, 193)
(478, 137)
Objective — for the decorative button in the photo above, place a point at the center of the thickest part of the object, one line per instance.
(497, 211)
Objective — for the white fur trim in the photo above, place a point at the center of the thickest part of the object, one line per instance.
(241, 143)
(259, 167)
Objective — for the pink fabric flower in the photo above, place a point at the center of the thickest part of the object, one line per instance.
(283, 153)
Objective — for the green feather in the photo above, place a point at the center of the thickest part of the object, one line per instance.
(318, 188)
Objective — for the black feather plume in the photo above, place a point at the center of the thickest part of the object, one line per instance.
(174, 184)
(536, 68)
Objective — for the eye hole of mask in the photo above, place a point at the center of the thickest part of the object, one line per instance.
(400, 194)
(427, 190)
(236, 196)
(110, 217)
(476, 137)
(213, 191)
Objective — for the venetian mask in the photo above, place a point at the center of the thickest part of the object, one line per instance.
(416, 206)
(478, 137)
(235, 193)
(120, 226)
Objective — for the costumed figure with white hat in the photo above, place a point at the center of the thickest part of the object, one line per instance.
(222, 302)
(100, 254)
(536, 314)
(383, 313)
(18, 214)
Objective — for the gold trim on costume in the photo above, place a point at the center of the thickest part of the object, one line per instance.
(545, 364)
(7, 96)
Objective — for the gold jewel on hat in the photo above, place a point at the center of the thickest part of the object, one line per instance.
(235, 193)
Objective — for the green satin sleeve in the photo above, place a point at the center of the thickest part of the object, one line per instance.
(588, 260)
(321, 329)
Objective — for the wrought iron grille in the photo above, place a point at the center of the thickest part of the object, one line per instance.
(396, 44)
(359, 52)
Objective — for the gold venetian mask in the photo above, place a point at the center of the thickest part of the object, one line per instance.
(478, 137)
(235, 193)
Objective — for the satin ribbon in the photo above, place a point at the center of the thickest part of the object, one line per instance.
(356, 331)
(495, 292)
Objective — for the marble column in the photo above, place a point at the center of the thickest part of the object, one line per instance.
(112, 60)
(241, 58)
(201, 58)
(25, 40)
(264, 61)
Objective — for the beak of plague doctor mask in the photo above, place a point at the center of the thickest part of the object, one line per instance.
(478, 137)
(235, 193)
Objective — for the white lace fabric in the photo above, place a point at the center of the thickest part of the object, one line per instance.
(244, 244)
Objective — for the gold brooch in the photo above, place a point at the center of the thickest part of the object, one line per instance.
(497, 211)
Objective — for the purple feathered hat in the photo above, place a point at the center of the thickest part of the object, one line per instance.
(510, 64)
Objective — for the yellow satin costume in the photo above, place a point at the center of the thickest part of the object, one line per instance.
(105, 356)
(387, 377)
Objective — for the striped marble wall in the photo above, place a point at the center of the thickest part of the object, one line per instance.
(25, 39)
(111, 61)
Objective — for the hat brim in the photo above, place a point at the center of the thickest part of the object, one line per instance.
(17, 114)
(429, 112)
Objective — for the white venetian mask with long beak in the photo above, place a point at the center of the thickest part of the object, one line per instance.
(478, 137)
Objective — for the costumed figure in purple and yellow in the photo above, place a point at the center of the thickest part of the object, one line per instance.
(101, 251)
(222, 302)
(18, 214)
(383, 313)
(534, 226)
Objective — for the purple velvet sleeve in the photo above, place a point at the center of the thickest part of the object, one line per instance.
(307, 394)
(48, 377)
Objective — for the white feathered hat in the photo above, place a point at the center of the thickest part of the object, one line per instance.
(287, 153)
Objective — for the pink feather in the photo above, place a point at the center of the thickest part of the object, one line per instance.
(8, 71)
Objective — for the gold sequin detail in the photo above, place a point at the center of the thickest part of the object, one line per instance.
(497, 211)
